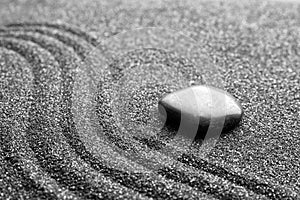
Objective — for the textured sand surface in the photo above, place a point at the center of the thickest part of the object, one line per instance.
(80, 81)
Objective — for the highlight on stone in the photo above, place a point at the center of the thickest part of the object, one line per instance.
(200, 111)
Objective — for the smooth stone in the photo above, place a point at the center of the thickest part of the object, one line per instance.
(200, 111)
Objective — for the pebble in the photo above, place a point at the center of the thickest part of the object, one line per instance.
(200, 111)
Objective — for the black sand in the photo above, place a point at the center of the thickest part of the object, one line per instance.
(75, 126)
